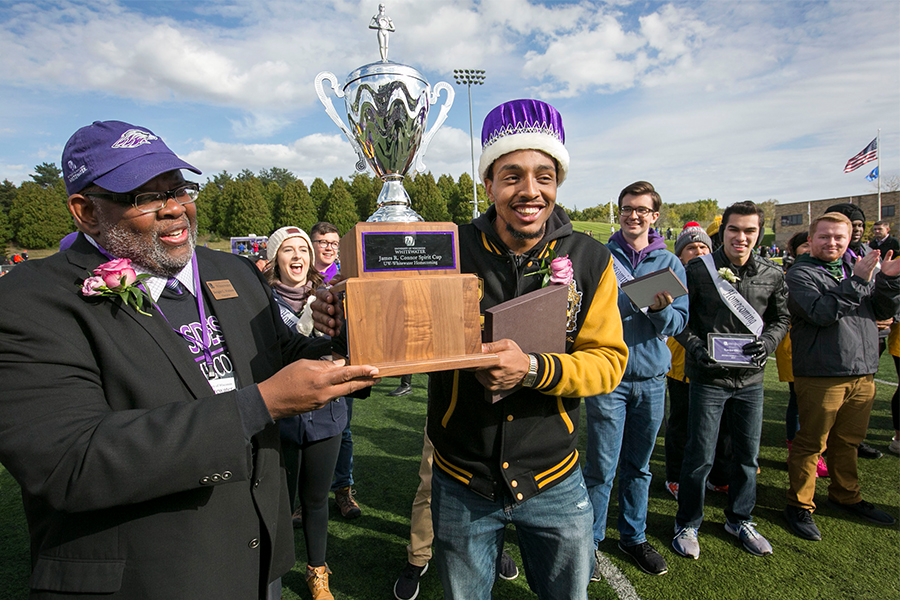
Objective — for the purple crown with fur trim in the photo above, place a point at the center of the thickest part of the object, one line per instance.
(116, 156)
(523, 125)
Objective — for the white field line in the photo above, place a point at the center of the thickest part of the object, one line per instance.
(616, 579)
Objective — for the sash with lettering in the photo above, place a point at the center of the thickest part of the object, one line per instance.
(733, 299)
(623, 276)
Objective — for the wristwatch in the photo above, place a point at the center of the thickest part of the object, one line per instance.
(528, 381)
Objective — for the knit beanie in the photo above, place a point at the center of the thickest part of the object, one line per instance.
(692, 232)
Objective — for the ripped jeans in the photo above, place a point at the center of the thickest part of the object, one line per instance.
(553, 528)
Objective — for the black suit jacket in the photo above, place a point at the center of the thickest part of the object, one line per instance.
(138, 481)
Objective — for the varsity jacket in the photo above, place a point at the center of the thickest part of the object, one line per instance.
(833, 330)
(761, 283)
(526, 443)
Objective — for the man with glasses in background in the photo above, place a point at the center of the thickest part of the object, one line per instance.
(142, 378)
(622, 425)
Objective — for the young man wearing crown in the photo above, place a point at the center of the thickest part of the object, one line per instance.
(515, 461)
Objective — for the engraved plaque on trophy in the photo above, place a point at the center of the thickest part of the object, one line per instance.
(407, 307)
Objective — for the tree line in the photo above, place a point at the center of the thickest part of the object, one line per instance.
(34, 214)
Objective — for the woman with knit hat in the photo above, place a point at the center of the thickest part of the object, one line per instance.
(311, 441)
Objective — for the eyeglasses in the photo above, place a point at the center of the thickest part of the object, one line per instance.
(326, 244)
(148, 202)
(642, 211)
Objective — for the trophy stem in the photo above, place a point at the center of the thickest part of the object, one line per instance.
(394, 203)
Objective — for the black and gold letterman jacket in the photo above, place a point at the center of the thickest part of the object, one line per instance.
(526, 443)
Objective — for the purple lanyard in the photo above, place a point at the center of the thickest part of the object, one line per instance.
(205, 343)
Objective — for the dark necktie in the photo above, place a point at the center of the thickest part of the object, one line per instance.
(175, 286)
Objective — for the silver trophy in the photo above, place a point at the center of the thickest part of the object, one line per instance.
(387, 106)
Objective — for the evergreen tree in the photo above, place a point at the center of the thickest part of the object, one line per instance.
(297, 208)
(430, 202)
(341, 210)
(461, 206)
(447, 187)
(277, 175)
(319, 191)
(221, 208)
(40, 216)
(46, 175)
(364, 190)
(207, 208)
(273, 195)
(7, 198)
(248, 212)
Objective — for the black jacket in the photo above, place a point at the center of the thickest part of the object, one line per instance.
(137, 480)
(833, 332)
(762, 285)
(526, 443)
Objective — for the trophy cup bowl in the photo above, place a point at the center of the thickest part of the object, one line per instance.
(387, 107)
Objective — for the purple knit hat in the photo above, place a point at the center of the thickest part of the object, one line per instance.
(116, 156)
(523, 125)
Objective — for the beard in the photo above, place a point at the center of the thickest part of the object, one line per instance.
(522, 235)
(144, 248)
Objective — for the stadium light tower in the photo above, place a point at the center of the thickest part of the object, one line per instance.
(468, 78)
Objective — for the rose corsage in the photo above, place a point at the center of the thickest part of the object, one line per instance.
(116, 279)
(555, 269)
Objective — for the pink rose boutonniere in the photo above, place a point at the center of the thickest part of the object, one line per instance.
(555, 269)
(116, 279)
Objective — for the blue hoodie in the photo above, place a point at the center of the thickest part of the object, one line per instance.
(648, 355)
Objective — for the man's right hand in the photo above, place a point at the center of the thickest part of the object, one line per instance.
(865, 266)
(327, 313)
(306, 385)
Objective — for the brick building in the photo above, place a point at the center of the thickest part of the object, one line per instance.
(791, 218)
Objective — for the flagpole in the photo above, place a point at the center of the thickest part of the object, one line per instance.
(878, 154)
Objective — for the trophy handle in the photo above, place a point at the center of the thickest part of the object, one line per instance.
(329, 110)
(435, 93)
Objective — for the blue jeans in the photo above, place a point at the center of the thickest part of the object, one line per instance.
(743, 409)
(554, 531)
(343, 470)
(629, 417)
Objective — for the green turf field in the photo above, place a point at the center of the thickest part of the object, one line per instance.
(854, 560)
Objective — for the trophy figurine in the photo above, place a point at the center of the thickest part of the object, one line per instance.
(407, 307)
(387, 106)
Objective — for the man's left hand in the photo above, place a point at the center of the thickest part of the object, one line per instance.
(663, 299)
(512, 368)
(756, 351)
(889, 267)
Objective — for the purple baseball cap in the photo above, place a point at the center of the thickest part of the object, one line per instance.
(523, 125)
(116, 156)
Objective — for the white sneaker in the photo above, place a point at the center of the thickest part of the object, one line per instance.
(685, 542)
(894, 446)
(753, 542)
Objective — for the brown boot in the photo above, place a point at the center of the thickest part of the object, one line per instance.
(343, 497)
(317, 580)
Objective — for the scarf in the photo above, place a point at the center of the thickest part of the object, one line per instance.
(295, 297)
(834, 268)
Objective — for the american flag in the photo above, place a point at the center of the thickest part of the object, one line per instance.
(868, 154)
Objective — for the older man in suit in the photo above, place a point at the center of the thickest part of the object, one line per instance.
(145, 440)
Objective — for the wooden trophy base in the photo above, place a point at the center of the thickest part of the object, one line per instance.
(406, 325)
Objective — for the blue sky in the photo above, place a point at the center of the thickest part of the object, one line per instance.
(721, 99)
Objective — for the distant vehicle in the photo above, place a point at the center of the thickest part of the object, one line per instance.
(249, 244)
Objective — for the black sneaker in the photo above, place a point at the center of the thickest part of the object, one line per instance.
(801, 523)
(646, 557)
(401, 390)
(407, 585)
(866, 451)
(596, 575)
(866, 510)
(508, 569)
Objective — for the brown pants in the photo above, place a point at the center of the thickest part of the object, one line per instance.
(833, 411)
(421, 532)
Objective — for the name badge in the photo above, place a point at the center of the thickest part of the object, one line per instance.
(220, 385)
(221, 289)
